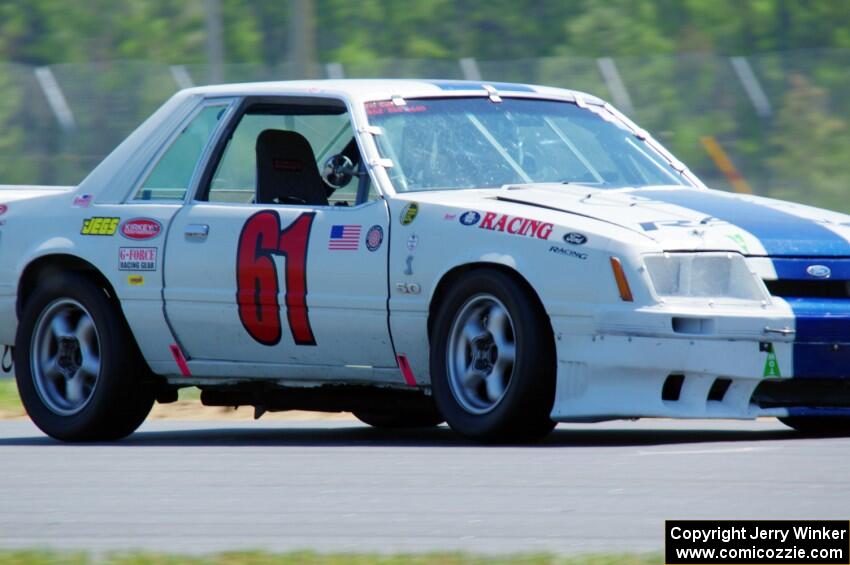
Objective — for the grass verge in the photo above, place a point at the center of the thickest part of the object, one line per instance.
(10, 403)
(188, 407)
(310, 558)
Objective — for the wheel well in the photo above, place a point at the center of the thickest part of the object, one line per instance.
(458, 272)
(50, 265)
(53, 264)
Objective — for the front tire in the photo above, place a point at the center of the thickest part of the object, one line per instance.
(79, 372)
(493, 360)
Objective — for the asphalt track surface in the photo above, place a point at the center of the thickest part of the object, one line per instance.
(337, 486)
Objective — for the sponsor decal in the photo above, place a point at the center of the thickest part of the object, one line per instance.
(374, 238)
(739, 240)
(516, 225)
(344, 238)
(470, 218)
(408, 288)
(408, 214)
(771, 365)
(100, 226)
(450, 216)
(135, 280)
(819, 271)
(412, 242)
(388, 107)
(141, 228)
(408, 270)
(3, 209)
(137, 258)
(558, 250)
(575, 238)
(82, 201)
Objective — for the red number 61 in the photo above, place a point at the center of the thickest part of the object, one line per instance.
(257, 286)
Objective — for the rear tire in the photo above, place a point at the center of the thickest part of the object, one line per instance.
(493, 360)
(818, 425)
(79, 372)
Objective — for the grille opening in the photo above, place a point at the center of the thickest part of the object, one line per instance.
(672, 387)
(809, 289)
(718, 389)
(683, 325)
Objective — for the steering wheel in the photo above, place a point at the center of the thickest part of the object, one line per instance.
(338, 171)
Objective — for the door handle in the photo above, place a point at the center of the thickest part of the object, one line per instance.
(197, 232)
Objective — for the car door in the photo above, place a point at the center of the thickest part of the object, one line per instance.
(274, 279)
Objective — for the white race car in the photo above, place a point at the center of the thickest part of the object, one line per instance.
(499, 256)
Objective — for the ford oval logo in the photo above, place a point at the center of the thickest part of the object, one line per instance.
(575, 238)
(819, 271)
(470, 218)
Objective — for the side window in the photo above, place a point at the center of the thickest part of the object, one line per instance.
(277, 155)
(170, 178)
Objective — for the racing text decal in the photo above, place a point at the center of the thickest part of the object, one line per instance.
(511, 224)
(257, 286)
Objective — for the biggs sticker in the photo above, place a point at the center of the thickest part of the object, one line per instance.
(137, 258)
(99, 226)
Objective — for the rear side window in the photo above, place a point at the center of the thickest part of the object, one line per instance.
(170, 178)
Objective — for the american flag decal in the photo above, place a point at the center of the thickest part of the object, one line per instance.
(344, 238)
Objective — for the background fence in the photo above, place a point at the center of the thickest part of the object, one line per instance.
(781, 117)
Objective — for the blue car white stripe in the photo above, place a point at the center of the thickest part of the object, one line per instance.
(822, 341)
(781, 233)
(474, 85)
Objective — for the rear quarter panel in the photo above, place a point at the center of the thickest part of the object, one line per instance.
(54, 226)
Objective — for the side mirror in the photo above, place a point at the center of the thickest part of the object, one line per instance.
(338, 170)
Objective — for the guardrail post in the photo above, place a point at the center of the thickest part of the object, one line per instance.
(469, 68)
(181, 76)
(752, 86)
(55, 98)
(614, 82)
(334, 71)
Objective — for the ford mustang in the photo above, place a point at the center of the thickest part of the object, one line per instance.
(501, 257)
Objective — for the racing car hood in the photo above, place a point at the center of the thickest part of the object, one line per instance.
(679, 218)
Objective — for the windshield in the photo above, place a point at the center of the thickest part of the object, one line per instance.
(456, 143)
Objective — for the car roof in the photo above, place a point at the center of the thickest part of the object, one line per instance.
(382, 89)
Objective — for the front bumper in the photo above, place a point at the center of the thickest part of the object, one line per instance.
(660, 362)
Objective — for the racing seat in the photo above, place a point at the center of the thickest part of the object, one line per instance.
(287, 171)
